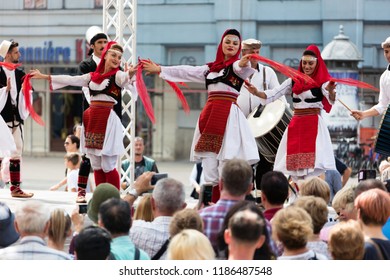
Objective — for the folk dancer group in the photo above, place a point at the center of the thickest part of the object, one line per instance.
(222, 131)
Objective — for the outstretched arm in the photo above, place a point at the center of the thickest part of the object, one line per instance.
(36, 74)
(150, 67)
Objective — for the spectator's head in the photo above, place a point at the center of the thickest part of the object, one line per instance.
(368, 185)
(139, 146)
(373, 207)
(8, 234)
(265, 252)
(274, 188)
(190, 244)
(246, 229)
(72, 143)
(343, 204)
(32, 218)
(316, 187)
(168, 197)
(185, 219)
(293, 227)
(144, 209)
(115, 216)
(92, 243)
(60, 227)
(236, 178)
(102, 193)
(72, 160)
(316, 208)
(346, 241)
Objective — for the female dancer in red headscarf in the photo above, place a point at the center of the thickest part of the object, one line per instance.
(102, 132)
(306, 147)
(222, 131)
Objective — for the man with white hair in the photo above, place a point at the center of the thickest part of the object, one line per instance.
(13, 110)
(168, 197)
(32, 223)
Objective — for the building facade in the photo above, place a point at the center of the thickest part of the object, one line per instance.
(51, 36)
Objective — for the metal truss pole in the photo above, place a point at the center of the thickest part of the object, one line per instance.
(119, 23)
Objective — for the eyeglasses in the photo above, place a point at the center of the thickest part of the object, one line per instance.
(66, 143)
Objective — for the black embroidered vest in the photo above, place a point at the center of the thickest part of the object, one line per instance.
(112, 90)
(228, 77)
(10, 111)
(317, 93)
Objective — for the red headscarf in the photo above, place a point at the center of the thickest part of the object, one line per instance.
(220, 62)
(98, 76)
(320, 75)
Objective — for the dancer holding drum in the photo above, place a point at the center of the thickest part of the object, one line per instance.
(222, 131)
(306, 148)
(263, 78)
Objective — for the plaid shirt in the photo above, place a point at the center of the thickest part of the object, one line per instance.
(213, 217)
(150, 236)
(32, 248)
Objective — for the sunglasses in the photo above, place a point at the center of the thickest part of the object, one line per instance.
(66, 143)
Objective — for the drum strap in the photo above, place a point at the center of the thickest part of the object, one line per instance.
(264, 80)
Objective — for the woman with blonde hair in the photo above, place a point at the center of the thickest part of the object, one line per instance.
(190, 244)
(144, 209)
(59, 229)
(292, 227)
(315, 186)
(346, 241)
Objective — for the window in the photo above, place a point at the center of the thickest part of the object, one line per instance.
(98, 4)
(35, 4)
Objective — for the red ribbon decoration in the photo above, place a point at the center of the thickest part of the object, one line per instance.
(354, 83)
(287, 71)
(10, 66)
(143, 94)
(180, 96)
(27, 99)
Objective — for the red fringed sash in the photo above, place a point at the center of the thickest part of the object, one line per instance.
(212, 121)
(301, 142)
(27, 88)
(95, 120)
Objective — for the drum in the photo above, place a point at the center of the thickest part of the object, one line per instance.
(382, 143)
(268, 124)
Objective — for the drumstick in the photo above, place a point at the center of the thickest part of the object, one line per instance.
(344, 105)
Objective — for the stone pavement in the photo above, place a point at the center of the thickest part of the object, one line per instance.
(40, 173)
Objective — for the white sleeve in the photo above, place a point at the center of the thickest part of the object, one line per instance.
(3, 97)
(23, 112)
(275, 93)
(243, 72)
(184, 73)
(384, 93)
(326, 93)
(60, 81)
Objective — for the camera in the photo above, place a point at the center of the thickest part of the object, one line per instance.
(83, 208)
(157, 177)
